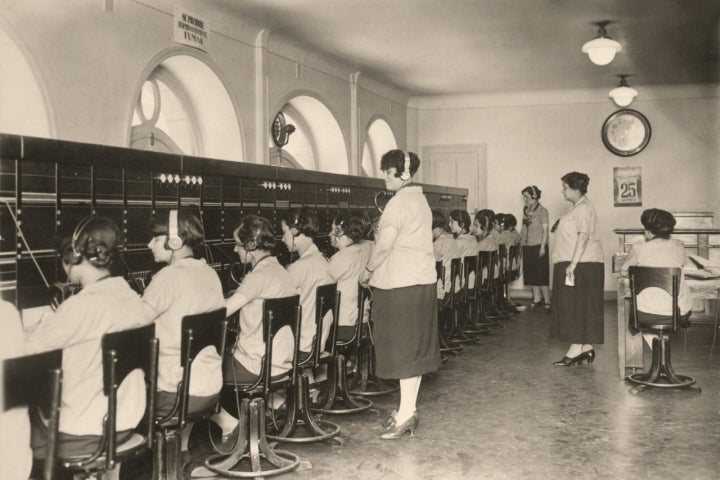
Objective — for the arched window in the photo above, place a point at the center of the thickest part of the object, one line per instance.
(317, 142)
(183, 107)
(380, 139)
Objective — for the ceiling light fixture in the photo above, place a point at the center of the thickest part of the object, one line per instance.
(623, 95)
(602, 49)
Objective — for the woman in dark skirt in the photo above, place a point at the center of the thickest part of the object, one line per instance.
(401, 272)
(534, 238)
(578, 275)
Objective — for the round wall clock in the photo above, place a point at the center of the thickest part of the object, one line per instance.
(626, 132)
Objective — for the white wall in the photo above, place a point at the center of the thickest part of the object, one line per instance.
(535, 138)
(92, 64)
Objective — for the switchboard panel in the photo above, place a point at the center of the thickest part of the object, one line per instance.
(47, 186)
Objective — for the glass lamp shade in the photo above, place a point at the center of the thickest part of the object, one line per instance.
(601, 50)
(623, 96)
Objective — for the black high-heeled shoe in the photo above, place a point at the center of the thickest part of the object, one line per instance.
(399, 431)
(588, 355)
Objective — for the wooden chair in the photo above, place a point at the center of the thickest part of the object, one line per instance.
(298, 412)
(661, 374)
(35, 381)
(336, 398)
(198, 332)
(244, 460)
(123, 352)
(472, 326)
(365, 382)
(488, 288)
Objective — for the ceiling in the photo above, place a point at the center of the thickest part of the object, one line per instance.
(447, 47)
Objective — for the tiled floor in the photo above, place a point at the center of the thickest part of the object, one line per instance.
(500, 410)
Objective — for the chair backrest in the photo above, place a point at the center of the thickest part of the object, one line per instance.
(440, 272)
(486, 265)
(667, 279)
(327, 299)
(455, 277)
(198, 331)
(278, 313)
(514, 256)
(470, 266)
(123, 352)
(503, 264)
(35, 381)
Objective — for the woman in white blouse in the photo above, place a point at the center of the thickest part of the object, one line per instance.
(401, 271)
(578, 275)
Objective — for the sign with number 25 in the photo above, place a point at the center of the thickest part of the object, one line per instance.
(627, 186)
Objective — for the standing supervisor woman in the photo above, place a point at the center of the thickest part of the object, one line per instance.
(401, 271)
(534, 239)
(578, 275)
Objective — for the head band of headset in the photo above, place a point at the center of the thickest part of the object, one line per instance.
(77, 253)
(174, 242)
(405, 175)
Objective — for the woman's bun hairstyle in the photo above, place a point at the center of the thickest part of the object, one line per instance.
(396, 158)
(660, 223)
(189, 226)
(533, 191)
(352, 225)
(576, 181)
(303, 220)
(462, 218)
(256, 232)
(96, 239)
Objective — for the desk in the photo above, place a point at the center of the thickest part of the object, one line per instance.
(630, 347)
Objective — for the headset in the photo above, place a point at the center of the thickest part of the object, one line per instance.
(173, 241)
(251, 245)
(76, 257)
(405, 175)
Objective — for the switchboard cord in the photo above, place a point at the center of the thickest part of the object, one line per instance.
(25, 242)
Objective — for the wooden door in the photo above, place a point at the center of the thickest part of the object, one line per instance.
(463, 166)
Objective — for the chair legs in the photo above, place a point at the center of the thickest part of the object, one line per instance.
(168, 459)
(336, 392)
(298, 413)
(251, 454)
(366, 383)
(661, 374)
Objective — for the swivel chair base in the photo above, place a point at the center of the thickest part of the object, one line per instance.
(337, 392)
(250, 449)
(299, 415)
(661, 374)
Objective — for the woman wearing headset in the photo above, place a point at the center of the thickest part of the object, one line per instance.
(185, 286)
(105, 304)
(536, 254)
(401, 271)
(255, 242)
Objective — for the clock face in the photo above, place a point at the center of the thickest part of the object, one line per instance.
(626, 132)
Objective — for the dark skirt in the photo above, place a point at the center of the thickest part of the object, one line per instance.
(577, 312)
(536, 269)
(405, 331)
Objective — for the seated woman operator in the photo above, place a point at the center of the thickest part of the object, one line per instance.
(185, 286)
(255, 241)
(308, 272)
(482, 228)
(346, 266)
(445, 249)
(659, 250)
(105, 304)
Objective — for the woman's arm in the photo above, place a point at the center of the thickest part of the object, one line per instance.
(235, 303)
(544, 241)
(580, 245)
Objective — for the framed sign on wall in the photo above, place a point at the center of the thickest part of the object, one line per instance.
(627, 186)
